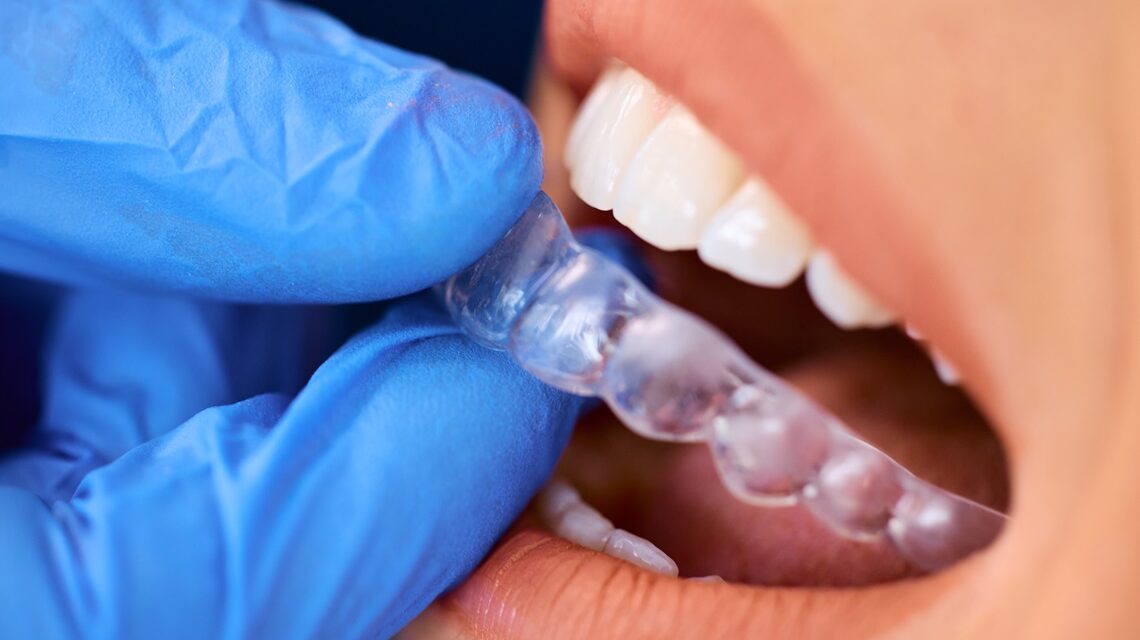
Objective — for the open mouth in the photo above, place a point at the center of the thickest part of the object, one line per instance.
(625, 512)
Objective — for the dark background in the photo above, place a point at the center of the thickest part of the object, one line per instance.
(491, 38)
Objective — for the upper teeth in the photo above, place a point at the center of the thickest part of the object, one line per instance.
(609, 134)
(675, 182)
(755, 238)
(635, 151)
(841, 298)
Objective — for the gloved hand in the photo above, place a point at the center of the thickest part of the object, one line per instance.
(184, 479)
(245, 149)
(338, 512)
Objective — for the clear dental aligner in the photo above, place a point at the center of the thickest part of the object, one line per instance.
(584, 324)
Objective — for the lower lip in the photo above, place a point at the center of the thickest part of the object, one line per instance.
(511, 594)
(536, 585)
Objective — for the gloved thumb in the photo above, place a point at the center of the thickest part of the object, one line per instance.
(245, 150)
(339, 513)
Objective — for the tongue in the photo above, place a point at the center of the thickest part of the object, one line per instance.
(706, 531)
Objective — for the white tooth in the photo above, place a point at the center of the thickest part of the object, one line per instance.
(636, 550)
(947, 372)
(554, 500)
(676, 182)
(715, 579)
(587, 113)
(561, 507)
(840, 298)
(582, 524)
(756, 238)
(623, 120)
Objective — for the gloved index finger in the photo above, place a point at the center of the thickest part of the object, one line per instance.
(247, 150)
(339, 513)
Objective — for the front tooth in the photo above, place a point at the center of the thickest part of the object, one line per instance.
(624, 118)
(638, 551)
(675, 182)
(840, 298)
(588, 112)
(756, 238)
(583, 525)
(562, 509)
(556, 499)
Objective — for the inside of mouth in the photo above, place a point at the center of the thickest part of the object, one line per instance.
(670, 495)
(584, 325)
(881, 385)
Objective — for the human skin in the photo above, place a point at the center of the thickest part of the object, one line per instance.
(976, 166)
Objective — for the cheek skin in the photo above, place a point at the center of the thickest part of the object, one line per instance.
(984, 145)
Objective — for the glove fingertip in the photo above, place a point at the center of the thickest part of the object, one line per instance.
(486, 159)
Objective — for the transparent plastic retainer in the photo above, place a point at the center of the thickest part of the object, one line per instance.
(586, 325)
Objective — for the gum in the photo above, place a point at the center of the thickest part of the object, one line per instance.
(581, 323)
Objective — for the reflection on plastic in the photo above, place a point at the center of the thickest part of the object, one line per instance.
(584, 324)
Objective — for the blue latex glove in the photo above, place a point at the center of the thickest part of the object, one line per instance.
(339, 512)
(187, 477)
(245, 149)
